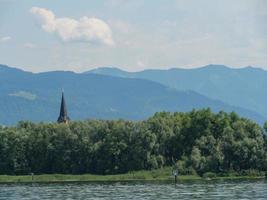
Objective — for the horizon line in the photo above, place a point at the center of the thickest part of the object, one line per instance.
(123, 70)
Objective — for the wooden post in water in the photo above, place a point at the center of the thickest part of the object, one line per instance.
(32, 174)
(175, 174)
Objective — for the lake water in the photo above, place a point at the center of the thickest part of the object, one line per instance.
(229, 190)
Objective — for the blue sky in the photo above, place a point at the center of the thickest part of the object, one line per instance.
(44, 35)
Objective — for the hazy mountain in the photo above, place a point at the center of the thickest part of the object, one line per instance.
(36, 97)
(245, 87)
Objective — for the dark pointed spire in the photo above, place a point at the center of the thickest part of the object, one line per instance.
(63, 115)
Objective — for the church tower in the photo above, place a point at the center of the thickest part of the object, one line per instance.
(63, 115)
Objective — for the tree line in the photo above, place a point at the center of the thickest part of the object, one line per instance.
(196, 142)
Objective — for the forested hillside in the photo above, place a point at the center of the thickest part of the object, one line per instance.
(244, 87)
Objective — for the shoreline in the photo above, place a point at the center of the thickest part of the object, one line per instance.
(139, 176)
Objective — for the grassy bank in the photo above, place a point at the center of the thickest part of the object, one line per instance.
(153, 175)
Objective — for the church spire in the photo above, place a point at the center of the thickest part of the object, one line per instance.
(63, 115)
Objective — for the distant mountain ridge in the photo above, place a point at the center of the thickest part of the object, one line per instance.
(36, 97)
(245, 87)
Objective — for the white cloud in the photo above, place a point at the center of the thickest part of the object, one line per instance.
(91, 30)
(120, 26)
(29, 45)
(5, 39)
(140, 64)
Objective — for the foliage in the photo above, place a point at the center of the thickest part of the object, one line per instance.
(196, 142)
(209, 175)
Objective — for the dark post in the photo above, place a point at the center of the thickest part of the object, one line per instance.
(175, 174)
(32, 174)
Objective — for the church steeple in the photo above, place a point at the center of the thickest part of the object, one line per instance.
(63, 115)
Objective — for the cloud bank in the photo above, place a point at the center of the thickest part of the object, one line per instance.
(85, 29)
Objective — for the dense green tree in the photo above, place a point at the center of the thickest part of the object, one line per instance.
(196, 142)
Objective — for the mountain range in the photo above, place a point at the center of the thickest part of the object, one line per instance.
(243, 87)
(110, 93)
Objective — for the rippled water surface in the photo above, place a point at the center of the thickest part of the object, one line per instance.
(229, 190)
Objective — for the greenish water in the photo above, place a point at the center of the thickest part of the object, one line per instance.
(229, 190)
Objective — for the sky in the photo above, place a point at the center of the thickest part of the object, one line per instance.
(46, 35)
